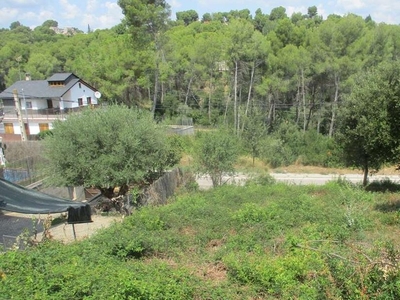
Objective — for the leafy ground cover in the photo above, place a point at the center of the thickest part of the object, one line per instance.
(258, 241)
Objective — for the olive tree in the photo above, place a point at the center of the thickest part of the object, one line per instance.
(107, 148)
(368, 133)
(215, 154)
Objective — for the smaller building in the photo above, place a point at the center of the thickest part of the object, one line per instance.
(42, 102)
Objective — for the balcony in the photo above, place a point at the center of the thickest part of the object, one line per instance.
(49, 114)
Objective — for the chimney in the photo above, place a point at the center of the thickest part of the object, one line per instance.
(27, 76)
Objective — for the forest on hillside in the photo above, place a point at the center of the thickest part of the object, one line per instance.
(222, 68)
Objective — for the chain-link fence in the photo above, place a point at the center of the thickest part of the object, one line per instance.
(24, 162)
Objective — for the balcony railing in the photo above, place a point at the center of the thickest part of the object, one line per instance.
(40, 114)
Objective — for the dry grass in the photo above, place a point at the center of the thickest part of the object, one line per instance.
(186, 161)
(321, 170)
(245, 163)
(20, 150)
(215, 272)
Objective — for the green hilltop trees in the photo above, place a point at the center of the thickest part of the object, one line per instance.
(227, 68)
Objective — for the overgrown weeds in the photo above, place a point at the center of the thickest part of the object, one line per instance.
(263, 240)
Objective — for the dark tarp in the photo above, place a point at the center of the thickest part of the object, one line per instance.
(19, 199)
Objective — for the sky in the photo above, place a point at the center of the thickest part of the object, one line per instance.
(101, 14)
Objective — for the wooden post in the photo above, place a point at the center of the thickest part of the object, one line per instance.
(20, 121)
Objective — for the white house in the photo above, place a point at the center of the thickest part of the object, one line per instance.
(42, 102)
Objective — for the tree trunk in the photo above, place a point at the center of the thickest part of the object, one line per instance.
(250, 91)
(310, 114)
(271, 112)
(303, 93)
(365, 177)
(153, 109)
(298, 104)
(311, 108)
(334, 104)
(235, 95)
(226, 107)
(162, 92)
(209, 98)
(188, 90)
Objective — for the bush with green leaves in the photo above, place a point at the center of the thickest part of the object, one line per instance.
(108, 147)
(287, 144)
(275, 152)
(254, 131)
(216, 153)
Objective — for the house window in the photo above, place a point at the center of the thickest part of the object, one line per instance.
(89, 100)
(43, 126)
(49, 103)
(80, 101)
(56, 83)
(28, 104)
(9, 128)
(80, 86)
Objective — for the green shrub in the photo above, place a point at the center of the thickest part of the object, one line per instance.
(275, 153)
(262, 179)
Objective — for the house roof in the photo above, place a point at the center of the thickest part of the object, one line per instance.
(60, 76)
(41, 88)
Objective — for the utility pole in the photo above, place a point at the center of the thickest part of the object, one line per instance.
(2, 158)
(20, 121)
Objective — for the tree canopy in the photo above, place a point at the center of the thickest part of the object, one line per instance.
(216, 154)
(369, 123)
(106, 148)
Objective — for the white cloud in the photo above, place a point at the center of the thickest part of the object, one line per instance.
(45, 15)
(69, 11)
(175, 5)
(23, 2)
(8, 15)
(351, 5)
(321, 11)
(91, 5)
(291, 9)
(37, 18)
(111, 15)
(30, 15)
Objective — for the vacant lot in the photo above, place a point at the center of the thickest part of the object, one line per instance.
(257, 241)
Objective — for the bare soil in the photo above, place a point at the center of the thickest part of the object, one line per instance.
(13, 224)
(65, 232)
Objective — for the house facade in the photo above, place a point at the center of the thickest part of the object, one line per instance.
(42, 102)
